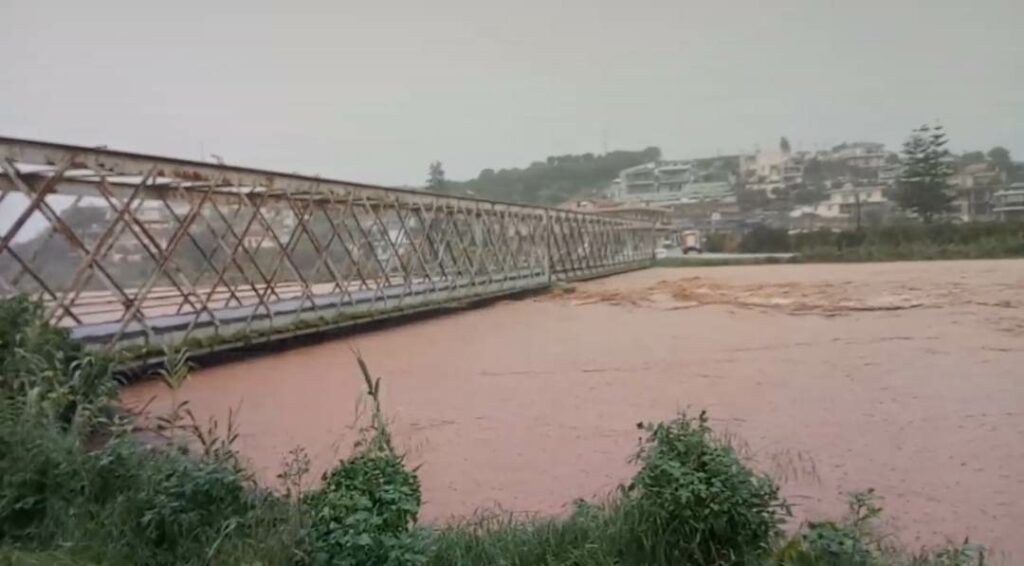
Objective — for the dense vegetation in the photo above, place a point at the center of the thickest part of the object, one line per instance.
(557, 179)
(907, 241)
(78, 486)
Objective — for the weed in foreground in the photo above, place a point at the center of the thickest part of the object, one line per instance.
(366, 508)
(857, 540)
(47, 373)
(691, 502)
(696, 502)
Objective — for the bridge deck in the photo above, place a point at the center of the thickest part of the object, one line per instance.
(136, 252)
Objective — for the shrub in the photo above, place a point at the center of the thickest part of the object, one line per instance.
(908, 241)
(694, 501)
(76, 487)
(763, 239)
(44, 369)
(365, 510)
(904, 241)
(125, 503)
(364, 513)
(41, 472)
(856, 540)
(719, 242)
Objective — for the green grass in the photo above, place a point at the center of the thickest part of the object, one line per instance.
(125, 503)
(691, 502)
(914, 252)
(898, 242)
(722, 261)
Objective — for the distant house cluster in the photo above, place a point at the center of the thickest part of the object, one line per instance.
(849, 185)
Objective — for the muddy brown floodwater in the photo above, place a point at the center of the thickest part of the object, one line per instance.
(904, 377)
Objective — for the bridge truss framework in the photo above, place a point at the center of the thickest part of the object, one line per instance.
(135, 252)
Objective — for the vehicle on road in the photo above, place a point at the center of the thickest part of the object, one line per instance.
(689, 241)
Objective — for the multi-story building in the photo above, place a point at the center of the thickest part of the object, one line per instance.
(672, 182)
(864, 155)
(844, 208)
(697, 193)
(1009, 204)
(773, 171)
(974, 187)
(856, 162)
(710, 215)
(982, 174)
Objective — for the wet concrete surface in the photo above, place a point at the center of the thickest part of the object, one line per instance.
(904, 377)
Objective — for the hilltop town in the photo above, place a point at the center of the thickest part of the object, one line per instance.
(848, 186)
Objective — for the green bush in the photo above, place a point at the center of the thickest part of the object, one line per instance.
(692, 502)
(721, 242)
(44, 369)
(849, 542)
(366, 508)
(125, 503)
(856, 540)
(696, 502)
(77, 487)
(911, 241)
(364, 513)
(763, 239)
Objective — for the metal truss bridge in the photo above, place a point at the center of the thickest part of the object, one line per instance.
(136, 253)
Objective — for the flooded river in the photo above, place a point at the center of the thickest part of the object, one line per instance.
(905, 377)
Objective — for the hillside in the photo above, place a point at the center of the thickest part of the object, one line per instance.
(554, 180)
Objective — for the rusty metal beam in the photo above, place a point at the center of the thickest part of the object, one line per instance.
(296, 252)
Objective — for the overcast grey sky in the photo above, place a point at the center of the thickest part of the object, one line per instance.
(373, 91)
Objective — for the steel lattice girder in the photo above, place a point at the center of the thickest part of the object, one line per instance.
(133, 251)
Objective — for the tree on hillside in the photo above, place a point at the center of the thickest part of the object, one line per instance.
(87, 221)
(923, 185)
(1001, 157)
(784, 145)
(972, 157)
(556, 179)
(751, 200)
(435, 180)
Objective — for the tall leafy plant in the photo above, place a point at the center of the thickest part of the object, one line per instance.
(366, 509)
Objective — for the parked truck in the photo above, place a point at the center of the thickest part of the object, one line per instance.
(689, 241)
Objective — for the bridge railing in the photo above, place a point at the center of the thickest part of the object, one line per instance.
(136, 252)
